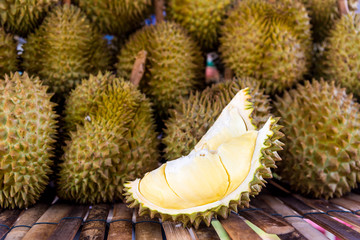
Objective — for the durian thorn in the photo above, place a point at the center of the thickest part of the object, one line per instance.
(139, 68)
(343, 7)
(159, 10)
(66, 2)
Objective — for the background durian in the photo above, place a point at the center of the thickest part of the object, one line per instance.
(8, 53)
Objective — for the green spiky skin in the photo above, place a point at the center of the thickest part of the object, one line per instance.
(116, 142)
(192, 117)
(22, 17)
(27, 130)
(341, 58)
(323, 15)
(8, 53)
(201, 18)
(84, 99)
(268, 160)
(174, 64)
(270, 41)
(322, 129)
(117, 17)
(65, 49)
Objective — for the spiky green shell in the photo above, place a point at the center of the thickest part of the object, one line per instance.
(322, 128)
(202, 18)
(117, 142)
(65, 49)
(8, 53)
(116, 17)
(270, 41)
(174, 64)
(27, 130)
(83, 100)
(341, 58)
(267, 160)
(23, 16)
(323, 15)
(192, 117)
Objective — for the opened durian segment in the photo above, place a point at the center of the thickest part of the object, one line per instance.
(211, 175)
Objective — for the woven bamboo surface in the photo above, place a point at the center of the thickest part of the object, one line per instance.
(275, 211)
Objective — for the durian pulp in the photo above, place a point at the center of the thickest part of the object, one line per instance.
(202, 177)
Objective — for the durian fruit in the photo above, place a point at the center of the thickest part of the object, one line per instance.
(268, 40)
(193, 116)
(22, 17)
(322, 128)
(8, 53)
(174, 65)
(116, 142)
(323, 15)
(116, 17)
(226, 167)
(341, 57)
(65, 49)
(27, 131)
(202, 18)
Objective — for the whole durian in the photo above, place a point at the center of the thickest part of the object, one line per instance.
(341, 57)
(225, 168)
(202, 18)
(116, 17)
(192, 117)
(322, 128)
(323, 15)
(27, 130)
(115, 142)
(174, 65)
(268, 40)
(8, 53)
(65, 49)
(22, 17)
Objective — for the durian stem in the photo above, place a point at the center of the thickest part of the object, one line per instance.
(139, 68)
(220, 230)
(228, 74)
(343, 7)
(159, 10)
(67, 2)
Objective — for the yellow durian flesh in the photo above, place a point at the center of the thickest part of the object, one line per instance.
(202, 177)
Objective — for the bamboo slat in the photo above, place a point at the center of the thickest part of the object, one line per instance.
(53, 215)
(238, 229)
(206, 233)
(175, 231)
(145, 230)
(28, 218)
(353, 197)
(93, 229)
(346, 203)
(121, 230)
(68, 227)
(8, 218)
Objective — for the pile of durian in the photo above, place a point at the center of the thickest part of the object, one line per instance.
(184, 119)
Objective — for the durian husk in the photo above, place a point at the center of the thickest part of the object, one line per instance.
(201, 18)
(269, 41)
(267, 160)
(115, 142)
(174, 65)
(116, 17)
(193, 116)
(65, 49)
(8, 53)
(340, 59)
(27, 135)
(322, 128)
(22, 17)
(324, 14)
